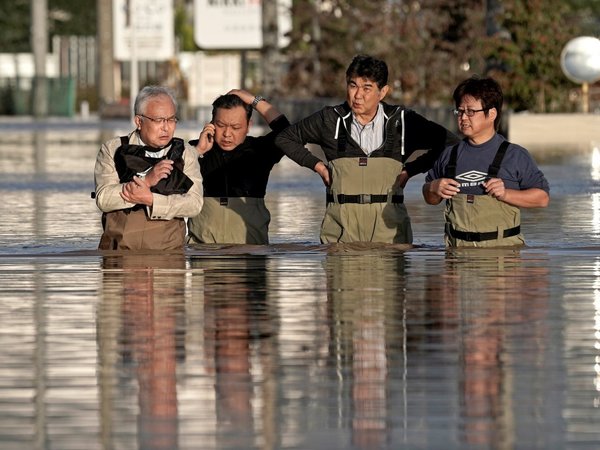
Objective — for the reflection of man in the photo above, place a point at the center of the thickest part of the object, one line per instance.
(483, 310)
(237, 320)
(150, 291)
(362, 303)
(367, 144)
(148, 181)
(235, 169)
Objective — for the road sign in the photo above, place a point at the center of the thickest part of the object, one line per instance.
(145, 25)
(235, 24)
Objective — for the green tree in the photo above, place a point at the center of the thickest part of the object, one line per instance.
(72, 17)
(184, 26)
(15, 23)
(525, 56)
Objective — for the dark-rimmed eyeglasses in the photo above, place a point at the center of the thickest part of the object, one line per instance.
(161, 120)
(468, 112)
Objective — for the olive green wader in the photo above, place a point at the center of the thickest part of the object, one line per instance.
(231, 220)
(481, 221)
(363, 203)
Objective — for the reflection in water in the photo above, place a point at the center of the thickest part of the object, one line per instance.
(145, 295)
(483, 296)
(239, 334)
(597, 335)
(309, 347)
(365, 291)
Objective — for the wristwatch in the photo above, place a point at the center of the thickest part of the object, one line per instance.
(256, 100)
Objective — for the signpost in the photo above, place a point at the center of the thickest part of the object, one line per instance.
(580, 62)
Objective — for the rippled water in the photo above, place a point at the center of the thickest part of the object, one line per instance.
(293, 345)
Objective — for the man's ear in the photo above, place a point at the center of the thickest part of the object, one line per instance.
(138, 122)
(383, 92)
(493, 113)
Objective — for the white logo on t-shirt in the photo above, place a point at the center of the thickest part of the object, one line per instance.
(471, 178)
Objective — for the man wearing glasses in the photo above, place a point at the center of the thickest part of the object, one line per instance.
(484, 179)
(370, 147)
(147, 182)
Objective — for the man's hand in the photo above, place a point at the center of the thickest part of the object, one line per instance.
(137, 192)
(401, 179)
(323, 171)
(161, 170)
(206, 139)
(495, 188)
(444, 187)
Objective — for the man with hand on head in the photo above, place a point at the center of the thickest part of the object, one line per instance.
(235, 169)
(484, 179)
(368, 144)
(148, 181)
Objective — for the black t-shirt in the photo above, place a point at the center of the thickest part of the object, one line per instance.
(243, 171)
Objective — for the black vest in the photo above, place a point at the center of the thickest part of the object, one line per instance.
(131, 159)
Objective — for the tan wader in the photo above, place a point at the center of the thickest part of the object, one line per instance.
(132, 230)
(231, 220)
(364, 205)
(481, 221)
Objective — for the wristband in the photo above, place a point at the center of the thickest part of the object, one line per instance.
(256, 100)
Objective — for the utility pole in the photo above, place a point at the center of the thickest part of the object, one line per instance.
(106, 65)
(270, 48)
(39, 44)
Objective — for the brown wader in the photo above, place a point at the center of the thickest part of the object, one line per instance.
(131, 229)
(481, 220)
(231, 220)
(363, 203)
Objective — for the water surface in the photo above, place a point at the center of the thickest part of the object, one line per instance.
(294, 345)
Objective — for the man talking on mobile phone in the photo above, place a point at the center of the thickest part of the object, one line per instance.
(235, 169)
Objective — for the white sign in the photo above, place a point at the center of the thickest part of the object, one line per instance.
(236, 24)
(146, 26)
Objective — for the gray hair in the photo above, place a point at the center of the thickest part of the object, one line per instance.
(149, 92)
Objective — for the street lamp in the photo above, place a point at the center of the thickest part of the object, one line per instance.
(580, 62)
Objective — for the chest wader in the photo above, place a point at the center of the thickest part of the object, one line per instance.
(481, 220)
(131, 229)
(363, 205)
(231, 220)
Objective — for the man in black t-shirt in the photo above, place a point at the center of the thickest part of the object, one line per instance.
(235, 169)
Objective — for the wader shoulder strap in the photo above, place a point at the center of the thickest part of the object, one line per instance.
(495, 166)
(388, 145)
(451, 167)
(493, 169)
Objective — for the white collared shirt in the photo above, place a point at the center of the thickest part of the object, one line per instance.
(369, 136)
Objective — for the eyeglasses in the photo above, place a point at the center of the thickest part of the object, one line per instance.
(161, 120)
(468, 112)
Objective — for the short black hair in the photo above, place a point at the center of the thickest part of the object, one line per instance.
(365, 66)
(485, 89)
(230, 101)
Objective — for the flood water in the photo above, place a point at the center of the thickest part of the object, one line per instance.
(294, 345)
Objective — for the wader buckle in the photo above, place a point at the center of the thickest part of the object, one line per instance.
(364, 199)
